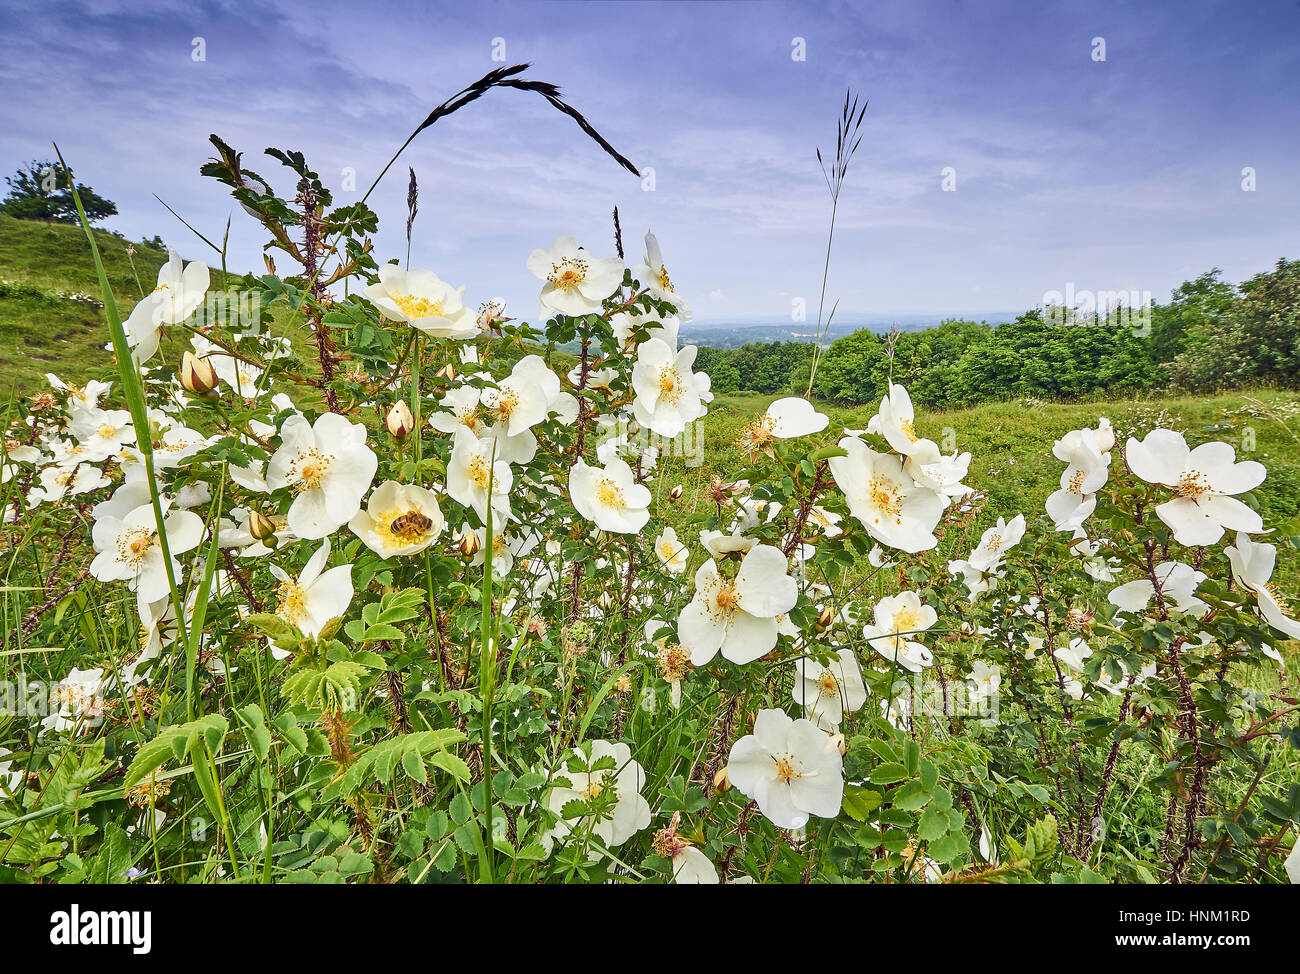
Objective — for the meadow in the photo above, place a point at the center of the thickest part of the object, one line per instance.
(358, 591)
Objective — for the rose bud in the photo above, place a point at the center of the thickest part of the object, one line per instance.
(400, 422)
(197, 375)
(824, 618)
(841, 743)
(1105, 437)
(260, 526)
(469, 543)
(676, 493)
(722, 780)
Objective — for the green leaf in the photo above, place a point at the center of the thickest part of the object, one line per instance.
(934, 823)
(887, 774)
(177, 742)
(859, 803)
(259, 738)
(410, 752)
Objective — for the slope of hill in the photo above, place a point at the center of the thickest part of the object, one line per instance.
(51, 317)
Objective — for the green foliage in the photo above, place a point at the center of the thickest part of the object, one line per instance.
(413, 753)
(42, 191)
(176, 743)
(1210, 336)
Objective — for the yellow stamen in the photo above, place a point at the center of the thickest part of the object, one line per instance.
(568, 273)
(610, 494)
(785, 771)
(415, 307)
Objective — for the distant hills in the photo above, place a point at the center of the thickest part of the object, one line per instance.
(749, 331)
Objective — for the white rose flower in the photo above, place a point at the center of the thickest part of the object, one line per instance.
(76, 703)
(1252, 566)
(460, 408)
(80, 397)
(666, 397)
(791, 768)
(399, 519)
(316, 596)
(690, 865)
(997, 541)
(9, 778)
(978, 580)
(177, 296)
(101, 432)
(422, 300)
(899, 618)
(523, 399)
(244, 380)
(59, 482)
(653, 275)
(1068, 508)
(576, 283)
(944, 474)
(1177, 583)
(1087, 469)
(895, 421)
(827, 691)
(1121, 685)
(737, 616)
(784, 419)
(471, 469)
(984, 681)
(630, 812)
(609, 496)
(328, 465)
(129, 549)
(672, 554)
(1203, 481)
(719, 545)
(885, 498)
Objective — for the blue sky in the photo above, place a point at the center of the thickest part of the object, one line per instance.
(1116, 174)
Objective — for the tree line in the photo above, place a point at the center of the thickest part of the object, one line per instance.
(1211, 335)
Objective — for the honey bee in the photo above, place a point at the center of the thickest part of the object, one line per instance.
(410, 523)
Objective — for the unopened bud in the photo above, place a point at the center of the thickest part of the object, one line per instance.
(447, 372)
(469, 543)
(400, 422)
(197, 375)
(841, 743)
(676, 493)
(260, 526)
(825, 618)
(722, 780)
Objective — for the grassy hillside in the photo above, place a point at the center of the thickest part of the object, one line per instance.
(51, 316)
(51, 319)
(1011, 442)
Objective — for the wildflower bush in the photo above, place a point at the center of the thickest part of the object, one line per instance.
(416, 602)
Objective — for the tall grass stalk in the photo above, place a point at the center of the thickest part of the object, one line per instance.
(847, 139)
(133, 392)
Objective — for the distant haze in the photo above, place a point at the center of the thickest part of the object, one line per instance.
(742, 331)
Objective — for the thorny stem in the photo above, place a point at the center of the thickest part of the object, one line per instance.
(311, 248)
